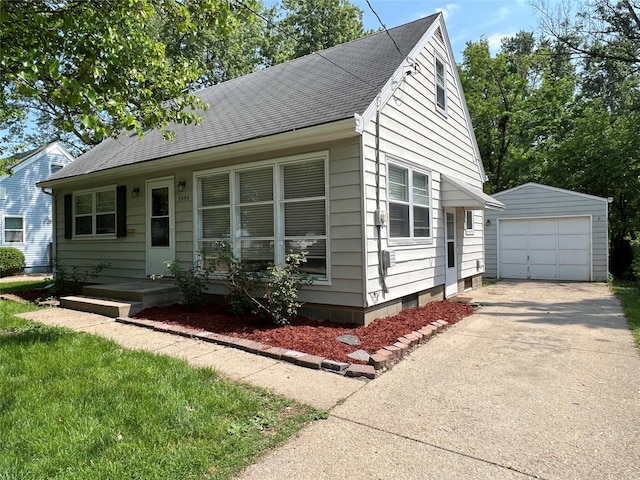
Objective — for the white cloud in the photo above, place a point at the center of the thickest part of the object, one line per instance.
(448, 10)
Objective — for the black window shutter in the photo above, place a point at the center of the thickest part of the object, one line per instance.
(121, 211)
(68, 216)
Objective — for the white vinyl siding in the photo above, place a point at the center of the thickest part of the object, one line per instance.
(267, 211)
(413, 128)
(13, 230)
(94, 213)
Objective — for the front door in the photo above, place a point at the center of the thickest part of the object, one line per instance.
(451, 277)
(160, 225)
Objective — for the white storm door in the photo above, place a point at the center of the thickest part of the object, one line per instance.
(160, 225)
(451, 257)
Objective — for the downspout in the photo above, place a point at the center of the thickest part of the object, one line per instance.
(382, 269)
(53, 252)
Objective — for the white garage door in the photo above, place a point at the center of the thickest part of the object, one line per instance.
(545, 248)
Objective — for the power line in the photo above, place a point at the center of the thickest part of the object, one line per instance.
(383, 26)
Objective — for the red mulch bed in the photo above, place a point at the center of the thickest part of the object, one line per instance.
(309, 336)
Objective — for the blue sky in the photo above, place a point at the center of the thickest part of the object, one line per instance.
(466, 20)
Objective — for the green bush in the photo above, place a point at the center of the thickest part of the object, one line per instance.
(192, 283)
(11, 260)
(72, 280)
(272, 294)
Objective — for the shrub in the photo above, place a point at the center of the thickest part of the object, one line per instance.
(65, 280)
(272, 294)
(192, 283)
(11, 260)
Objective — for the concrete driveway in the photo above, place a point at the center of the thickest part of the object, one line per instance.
(542, 382)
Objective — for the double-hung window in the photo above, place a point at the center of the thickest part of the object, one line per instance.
(94, 213)
(13, 230)
(441, 86)
(266, 211)
(409, 204)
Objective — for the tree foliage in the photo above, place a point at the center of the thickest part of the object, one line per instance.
(517, 99)
(300, 27)
(94, 68)
(599, 30)
(83, 70)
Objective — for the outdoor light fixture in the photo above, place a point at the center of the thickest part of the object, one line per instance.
(181, 185)
(488, 223)
(135, 191)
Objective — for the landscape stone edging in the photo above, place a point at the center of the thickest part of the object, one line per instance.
(383, 359)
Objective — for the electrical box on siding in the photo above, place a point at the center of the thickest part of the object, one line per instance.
(388, 258)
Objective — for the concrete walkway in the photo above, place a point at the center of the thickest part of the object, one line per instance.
(317, 388)
(543, 382)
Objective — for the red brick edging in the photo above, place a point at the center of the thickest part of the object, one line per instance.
(380, 360)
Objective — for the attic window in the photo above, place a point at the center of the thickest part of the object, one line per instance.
(441, 86)
(56, 167)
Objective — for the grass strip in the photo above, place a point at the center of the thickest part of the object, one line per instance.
(629, 295)
(76, 406)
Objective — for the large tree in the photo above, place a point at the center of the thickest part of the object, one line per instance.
(94, 68)
(516, 100)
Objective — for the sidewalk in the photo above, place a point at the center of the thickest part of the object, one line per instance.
(317, 388)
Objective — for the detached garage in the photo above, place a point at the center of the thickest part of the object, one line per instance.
(547, 233)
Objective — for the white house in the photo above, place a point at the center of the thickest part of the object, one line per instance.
(548, 233)
(25, 210)
(362, 154)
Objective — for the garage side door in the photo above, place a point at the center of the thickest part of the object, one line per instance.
(545, 248)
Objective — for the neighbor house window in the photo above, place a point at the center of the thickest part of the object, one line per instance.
(468, 222)
(55, 167)
(13, 230)
(409, 203)
(266, 211)
(94, 213)
(441, 85)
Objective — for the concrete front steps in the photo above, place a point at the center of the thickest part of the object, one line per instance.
(122, 299)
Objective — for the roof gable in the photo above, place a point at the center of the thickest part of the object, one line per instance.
(539, 186)
(328, 86)
(26, 159)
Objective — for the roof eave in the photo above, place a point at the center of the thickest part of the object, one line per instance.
(336, 130)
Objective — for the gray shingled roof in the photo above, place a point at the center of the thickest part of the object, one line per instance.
(311, 90)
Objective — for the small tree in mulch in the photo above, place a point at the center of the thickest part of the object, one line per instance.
(272, 294)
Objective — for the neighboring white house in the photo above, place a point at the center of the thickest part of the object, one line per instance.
(26, 220)
(363, 154)
(547, 233)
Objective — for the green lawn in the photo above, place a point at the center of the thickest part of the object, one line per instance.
(7, 287)
(76, 406)
(629, 296)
